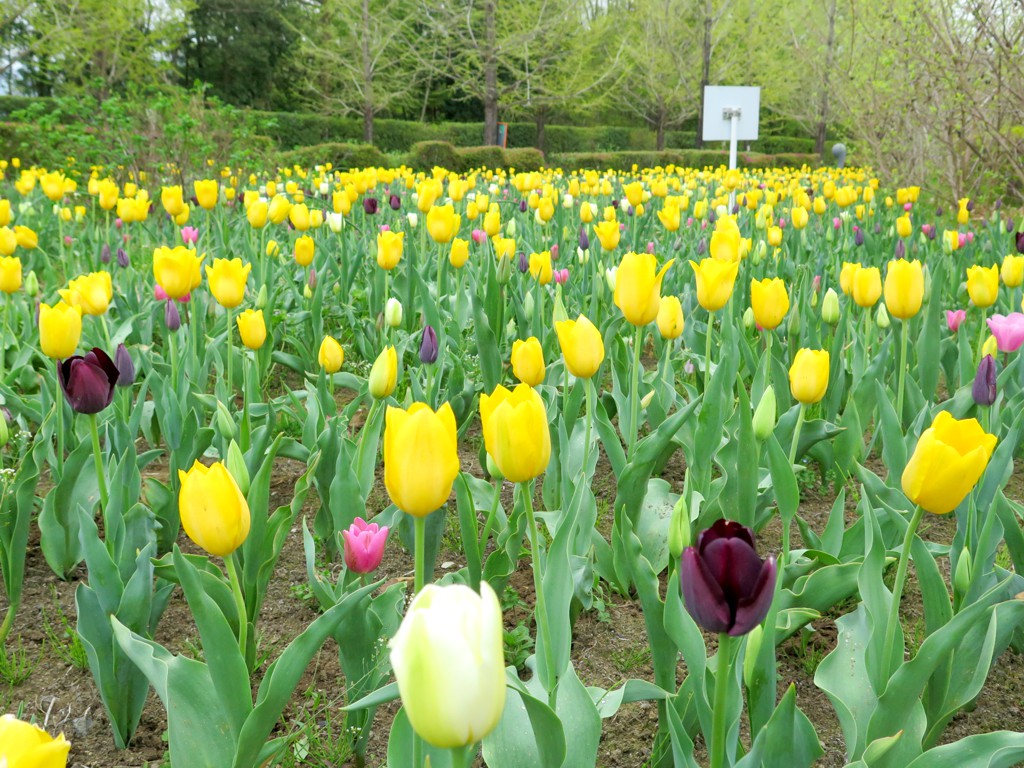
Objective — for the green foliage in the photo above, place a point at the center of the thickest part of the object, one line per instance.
(481, 157)
(524, 158)
(692, 158)
(424, 155)
(341, 155)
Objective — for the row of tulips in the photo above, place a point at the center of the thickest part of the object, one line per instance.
(749, 369)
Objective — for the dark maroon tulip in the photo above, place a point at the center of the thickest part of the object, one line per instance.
(395, 202)
(125, 366)
(370, 205)
(88, 382)
(984, 388)
(1020, 242)
(726, 586)
(522, 206)
(428, 346)
(172, 318)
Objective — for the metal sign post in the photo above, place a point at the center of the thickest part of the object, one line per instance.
(731, 113)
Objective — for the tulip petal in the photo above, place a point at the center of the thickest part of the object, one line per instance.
(751, 610)
(702, 596)
(734, 564)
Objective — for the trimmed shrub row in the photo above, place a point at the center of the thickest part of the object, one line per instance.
(688, 158)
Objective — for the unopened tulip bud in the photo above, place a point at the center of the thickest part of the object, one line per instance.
(122, 258)
(510, 328)
(504, 269)
(393, 312)
(261, 297)
(814, 300)
(646, 399)
(963, 575)
(510, 228)
(172, 319)
(748, 319)
(225, 422)
(753, 650)
(32, 284)
(428, 346)
(830, 307)
(413, 219)
(882, 317)
(610, 277)
(5, 431)
(492, 469)
(679, 534)
(105, 253)
(237, 469)
(793, 329)
(528, 305)
(984, 387)
(764, 415)
(927, 284)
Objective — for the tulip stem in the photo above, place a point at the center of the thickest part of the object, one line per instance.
(419, 556)
(101, 481)
(795, 445)
(489, 522)
(243, 616)
(590, 420)
(540, 612)
(3, 343)
(720, 716)
(897, 593)
(981, 333)
(707, 351)
(231, 344)
(634, 395)
(903, 370)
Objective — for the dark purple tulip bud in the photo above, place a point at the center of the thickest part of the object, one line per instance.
(1009, 224)
(702, 246)
(522, 206)
(428, 346)
(105, 253)
(726, 586)
(584, 239)
(970, 205)
(938, 212)
(901, 249)
(370, 205)
(88, 382)
(524, 263)
(1020, 241)
(743, 202)
(858, 236)
(122, 258)
(615, 204)
(171, 316)
(712, 218)
(984, 388)
(999, 203)
(395, 202)
(125, 366)
(735, 209)
(631, 211)
(878, 228)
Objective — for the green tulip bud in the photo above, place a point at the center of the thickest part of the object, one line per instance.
(510, 228)
(559, 312)
(510, 328)
(528, 305)
(754, 638)
(32, 284)
(793, 328)
(679, 534)
(236, 466)
(748, 319)
(927, 283)
(830, 307)
(814, 299)
(492, 469)
(5, 431)
(393, 312)
(504, 269)
(261, 297)
(882, 317)
(962, 577)
(764, 415)
(225, 421)
(307, 291)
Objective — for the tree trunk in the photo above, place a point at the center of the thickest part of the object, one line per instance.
(540, 118)
(490, 74)
(368, 98)
(660, 141)
(819, 143)
(705, 72)
(368, 122)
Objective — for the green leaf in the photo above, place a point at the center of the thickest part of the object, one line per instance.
(1000, 749)
(528, 735)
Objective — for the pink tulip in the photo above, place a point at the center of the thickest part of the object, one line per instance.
(1008, 330)
(160, 295)
(782, 223)
(927, 230)
(816, 283)
(561, 276)
(689, 221)
(554, 252)
(479, 236)
(650, 246)
(364, 545)
(118, 222)
(970, 237)
(963, 239)
(955, 319)
(908, 207)
(68, 240)
(189, 235)
(385, 228)
(837, 223)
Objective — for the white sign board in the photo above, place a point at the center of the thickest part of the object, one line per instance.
(721, 103)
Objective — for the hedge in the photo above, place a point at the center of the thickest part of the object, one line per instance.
(339, 154)
(425, 155)
(690, 158)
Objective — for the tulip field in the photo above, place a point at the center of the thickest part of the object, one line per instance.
(359, 467)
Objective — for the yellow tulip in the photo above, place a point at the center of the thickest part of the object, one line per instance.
(516, 435)
(207, 192)
(492, 220)
(983, 285)
(227, 279)
(176, 270)
(459, 254)
(298, 215)
(449, 663)
(1012, 270)
(442, 223)
(528, 361)
(540, 267)
(725, 240)
(799, 217)
(421, 457)
(304, 250)
(775, 236)
(669, 216)
(638, 287)
(26, 238)
(279, 208)
(634, 193)
(172, 199)
(384, 374)
(546, 210)
(389, 249)
(904, 288)
(715, 281)
(587, 212)
(23, 745)
(252, 328)
(608, 233)
(504, 247)
(5, 212)
(108, 194)
(60, 328)
(331, 356)
(92, 292)
(949, 460)
(257, 214)
(213, 511)
(53, 185)
(867, 286)
(951, 239)
(8, 241)
(427, 194)
(10, 274)
(182, 218)
(670, 318)
(963, 216)
(808, 375)
(903, 226)
(770, 301)
(846, 276)
(340, 202)
(582, 346)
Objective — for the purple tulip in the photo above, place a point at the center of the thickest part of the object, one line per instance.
(125, 366)
(984, 387)
(858, 236)
(370, 205)
(584, 239)
(524, 263)
(428, 346)
(939, 212)
(522, 206)
(105, 253)
(172, 318)
(1009, 228)
(1020, 241)
(395, 202)
(122, 258)
(702, 246)
(726, 586)
(878, 228)
(712, 217)
(901, 249)
(364, 545)
(1008, 330)
(88, 382)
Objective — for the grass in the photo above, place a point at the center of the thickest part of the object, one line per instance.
(15, 665)
(62, 637)
(319, 734)
(628, 660)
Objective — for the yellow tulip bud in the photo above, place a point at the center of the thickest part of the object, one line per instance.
(671, 322)
(1012, 270)
(421, 458)
(252, 328)
(60, 328)
(608, 234)
(904, 288)
(207, 192)
(808, 375)
(983, 285)
(10, 274)
(770, 301)
(384, 374)
(867, 286)
(389, 249)
(214, 513)
(516, 435)
(582, 346)
(528, 361)
(331, 356)
(459, 254)
(227, 279)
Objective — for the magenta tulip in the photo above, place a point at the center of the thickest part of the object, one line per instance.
(364, 545)
(955, 319)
